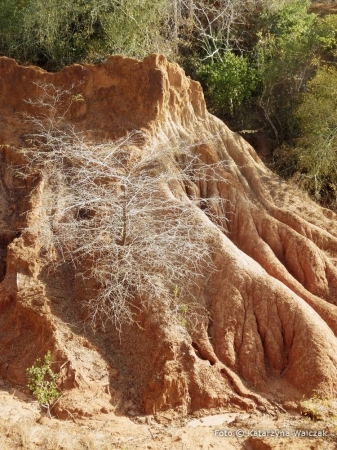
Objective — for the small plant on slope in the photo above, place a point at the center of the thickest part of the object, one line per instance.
(42, 381)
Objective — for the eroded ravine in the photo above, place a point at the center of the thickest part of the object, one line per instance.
(272, 315)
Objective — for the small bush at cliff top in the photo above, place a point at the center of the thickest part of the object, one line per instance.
(42, 381)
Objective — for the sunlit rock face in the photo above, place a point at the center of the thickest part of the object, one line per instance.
(269, 332)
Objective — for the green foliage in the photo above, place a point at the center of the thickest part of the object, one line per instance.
(326, 31)
(283, 57)
(134, 28)
(183, 316)
(286, 17)
(279, 54)
(42, 381)
(53, 33)
(316, 151)
(230, 82)
(291, 46)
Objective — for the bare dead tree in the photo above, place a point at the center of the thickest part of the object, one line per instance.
(217, 26)
(111, 210)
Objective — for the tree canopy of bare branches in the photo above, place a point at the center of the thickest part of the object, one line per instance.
(110, 210)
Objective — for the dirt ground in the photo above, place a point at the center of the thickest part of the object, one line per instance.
(24, 426)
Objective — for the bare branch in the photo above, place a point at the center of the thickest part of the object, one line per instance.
(109, 210)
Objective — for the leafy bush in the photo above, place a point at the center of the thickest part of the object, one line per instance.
(42, 381)
(316, 151)
(283, 57)
(53, 33)
(230, 81)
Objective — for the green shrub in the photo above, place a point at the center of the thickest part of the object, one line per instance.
(54, 33)
(229, 82)
(316, 150)
(283, 57)
(42, 381)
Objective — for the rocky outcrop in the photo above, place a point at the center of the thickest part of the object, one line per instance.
(272, 315)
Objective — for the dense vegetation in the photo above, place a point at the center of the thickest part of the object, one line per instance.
(268, 67)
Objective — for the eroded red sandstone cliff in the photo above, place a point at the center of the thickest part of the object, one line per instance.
(271, 334)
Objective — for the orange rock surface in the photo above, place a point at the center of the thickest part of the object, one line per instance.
(271, 334)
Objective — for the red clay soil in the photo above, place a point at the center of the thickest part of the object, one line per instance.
(272, 315)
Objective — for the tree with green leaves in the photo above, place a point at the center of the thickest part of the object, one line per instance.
(54, 33)
(316, 151)
(230, 82)
(283, 57)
